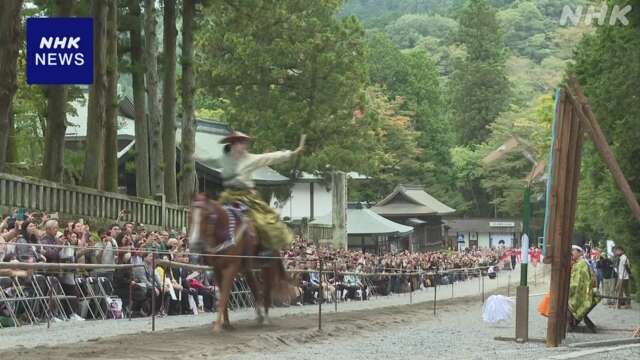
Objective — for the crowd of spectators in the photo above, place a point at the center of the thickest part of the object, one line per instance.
(41, 238)
(392, 273)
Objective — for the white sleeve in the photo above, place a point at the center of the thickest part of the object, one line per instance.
(259, 160)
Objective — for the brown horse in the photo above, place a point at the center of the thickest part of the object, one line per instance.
(209, 234)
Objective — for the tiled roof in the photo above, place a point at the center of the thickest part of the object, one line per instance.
(361, 221)
(411, 200)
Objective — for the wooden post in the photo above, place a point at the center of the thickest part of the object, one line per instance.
(563, 203)
(339, 207)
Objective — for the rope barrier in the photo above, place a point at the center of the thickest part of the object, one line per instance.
(63, 266)
(189, 253)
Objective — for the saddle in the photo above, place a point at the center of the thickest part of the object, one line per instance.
(237, 215)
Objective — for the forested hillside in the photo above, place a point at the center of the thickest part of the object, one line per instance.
(493, 68)
(471, 46)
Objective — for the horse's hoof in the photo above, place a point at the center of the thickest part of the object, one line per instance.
(266, 321)
(217, 329)
(260, 320)
(228, 327)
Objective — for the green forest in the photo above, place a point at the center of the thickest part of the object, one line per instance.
(403, 91)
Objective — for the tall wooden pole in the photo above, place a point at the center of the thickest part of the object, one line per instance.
(563, 202)
(339, 205)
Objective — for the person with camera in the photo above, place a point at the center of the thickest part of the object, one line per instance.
(107, 251)
(28, 247)
(9, 231)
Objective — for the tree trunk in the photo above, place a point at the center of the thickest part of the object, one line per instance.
(188, 141)
(110, 169)
(53, 153)
(10, 25)
(91, 176)
(155, 122)
(137, 76)
(169, 101)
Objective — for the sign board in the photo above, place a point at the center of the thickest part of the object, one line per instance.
(59, 50)
(502, 224)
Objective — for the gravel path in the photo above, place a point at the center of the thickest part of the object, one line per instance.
(393, 330)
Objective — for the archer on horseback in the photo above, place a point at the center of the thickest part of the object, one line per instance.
(238, 166)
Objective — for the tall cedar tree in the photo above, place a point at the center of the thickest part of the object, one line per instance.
(169, 101)
(137, 78)
(480, 87)
(53, 154)
(297, 68)
(188, 140)
(91, 176)
(110, 172)
(155, 122)
(9, 45)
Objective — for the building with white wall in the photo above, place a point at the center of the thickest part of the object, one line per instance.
(310, 197)
(482, 233)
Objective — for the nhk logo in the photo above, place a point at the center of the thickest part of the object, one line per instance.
(59, 50)
(594, 14)
(57, 58)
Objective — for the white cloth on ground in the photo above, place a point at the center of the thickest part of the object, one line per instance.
(497, 309)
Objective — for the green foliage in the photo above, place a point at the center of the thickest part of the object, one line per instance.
(393, 148)
(293, 69)
(505, 179)
(371, 10)
(409, 29)
(73, 165)
(608, 67)
(525, 30)
(480, 87)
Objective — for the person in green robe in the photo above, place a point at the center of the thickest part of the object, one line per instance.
(238, 166)
(581, 295)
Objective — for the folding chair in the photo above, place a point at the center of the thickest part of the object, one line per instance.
(44, 297)
(59, 295)
(34, 302)
(23, 301)
(241, 296)
(370, 284)
(88, 297)
(103, 287)
(9, 302)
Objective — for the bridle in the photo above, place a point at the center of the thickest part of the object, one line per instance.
(211, 219)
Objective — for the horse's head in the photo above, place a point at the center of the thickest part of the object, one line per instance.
(204, 216)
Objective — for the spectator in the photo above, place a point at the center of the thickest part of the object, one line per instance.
(49, 242)
(143, 284)
(605, 269)
(106, 253)
(27, 249)
(624, 270)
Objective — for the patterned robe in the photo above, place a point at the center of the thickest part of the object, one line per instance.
(238, 179)
(581, 295)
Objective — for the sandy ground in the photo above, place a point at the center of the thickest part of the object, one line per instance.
(387, 327)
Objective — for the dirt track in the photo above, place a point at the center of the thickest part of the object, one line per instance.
(389, 332)
(200, 342)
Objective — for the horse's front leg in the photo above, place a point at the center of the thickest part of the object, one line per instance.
(225, 290)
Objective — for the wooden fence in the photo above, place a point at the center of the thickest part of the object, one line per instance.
(75, 202)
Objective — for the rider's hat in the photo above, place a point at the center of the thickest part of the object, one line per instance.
(235, 137)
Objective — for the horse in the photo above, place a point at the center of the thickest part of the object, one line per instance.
(211, 224)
